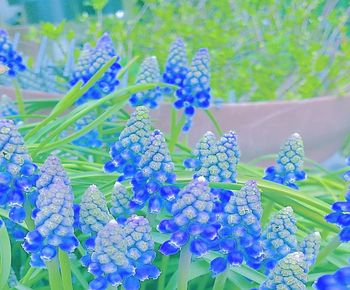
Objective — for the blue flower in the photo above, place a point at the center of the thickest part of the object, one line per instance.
(123, 254)
(53, 216)
(289, 273)
(120, 201)
(127, 151)
(279, 237)
(195, 92)
(18, 174)
(89, 62)
(218, 164)
(105, 43)
(205, 147)
(148, 73)
(193, 221)
(239, 235)
(176, 66)
(94, 214)
(153, 182)
(7, 107)
(340, 280)
(290, 163)
(310, 247)
(10, 57)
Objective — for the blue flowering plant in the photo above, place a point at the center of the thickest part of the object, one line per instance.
(290, 162)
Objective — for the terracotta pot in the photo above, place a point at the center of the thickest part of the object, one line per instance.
(262, 127)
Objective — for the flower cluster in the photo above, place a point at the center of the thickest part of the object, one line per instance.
(53, 216)
(338, 280)
(148, 73)
(7, 107)
(120, 201)
(239, 235)
(93, 214)
(176, 66)
(153, 182)
(340, 217)
(279, 237)
(310, 247)
(18, 174)
(123, 254)
(89, 62)
(195, 92)
(289, 273)
(127, 151)
(217, 162)
(8, 55)
(193, 220)
(290, 161)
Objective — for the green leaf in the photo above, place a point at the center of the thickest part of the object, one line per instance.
(5, 256)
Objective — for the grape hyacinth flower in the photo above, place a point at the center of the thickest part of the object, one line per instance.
(105, 43)
(289, 273)
(205, 147)
(195, 92)
(53, 217)
(18, 174)
(90, 139)
(127, 151)
(220, 165)
(193, 222)
(290, 161)
(279, 237)
(120, 201)
(176, 66)
(123, 254)
(310, 247)
(152, 184)
(10, 57)
(89, 62)
(340, 280)
(148, 73)
(239, 235)
(7, 107)
(340, 216)
(94, 214)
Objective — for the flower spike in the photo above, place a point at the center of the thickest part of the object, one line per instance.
(120, 201)
(239, 235)
(127, 151)
(290, 163)
(310, 247)
(176, 65)
(10, 57)
(18, 174)
(289, 273)
(7, 107)
(94, 214)
(152, 183)
(54, 215)
(193, 220)
(123, 254)
(279, 237)
(148, 73)
(195, 92)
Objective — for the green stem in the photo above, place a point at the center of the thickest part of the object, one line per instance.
(267, 212)
(65, 270)
(27, 275)
(19, 98)
(54, 275)
(164, 266)
(184, 268)
(214, 121)
(220, 280)
(332, 245)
